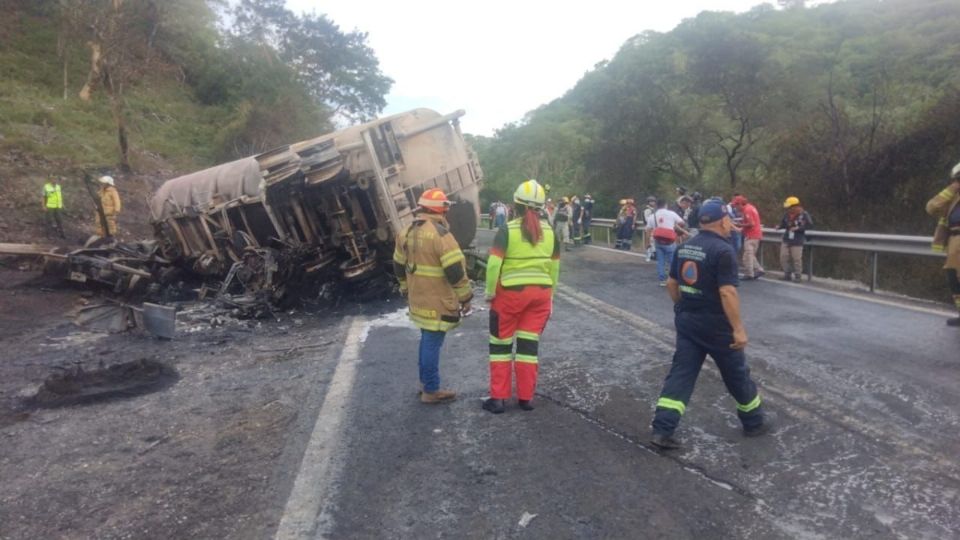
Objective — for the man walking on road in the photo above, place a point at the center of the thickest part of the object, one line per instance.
(795, 223)
(703, 286)
(53, 205)
(522, 271)
(753, 234)
(433, 275)
(946, 206)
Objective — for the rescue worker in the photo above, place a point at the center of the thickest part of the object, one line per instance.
(753, 234)
(946, 207)
(625, 233)
(522, 271)
(110, 201)
(703, 286)
(561, 223)
(576, 215)
(587, 219)
(53, 205)
(433, 275)
(621, 216)
(795, 223)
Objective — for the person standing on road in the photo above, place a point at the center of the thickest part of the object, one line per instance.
(110, 201)
(587, 219)
(627, 221)
(576, 215)
(752, 234)
(500, 215)
(53, 205)
(522, 272)
(703, 287)
(795, 223)
(561, 223)
(433, 275)
(648, 211)
(946, 207)
(663, 226)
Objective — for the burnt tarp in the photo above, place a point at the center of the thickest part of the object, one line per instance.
(206, 188)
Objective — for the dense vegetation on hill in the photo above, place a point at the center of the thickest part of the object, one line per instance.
(135, 83)
(853, 106)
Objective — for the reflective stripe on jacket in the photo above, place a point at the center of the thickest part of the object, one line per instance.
(52, 195)
(432, 270)
(514, 261)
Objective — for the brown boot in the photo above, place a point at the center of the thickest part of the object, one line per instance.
(440, 396)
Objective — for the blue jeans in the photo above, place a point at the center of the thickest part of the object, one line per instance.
(700, 334)
(664, 258)
(430, 343)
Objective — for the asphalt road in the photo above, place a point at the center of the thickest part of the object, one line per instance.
(867, 395)
(309, 426)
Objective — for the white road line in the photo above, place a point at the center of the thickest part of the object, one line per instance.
(313, 490)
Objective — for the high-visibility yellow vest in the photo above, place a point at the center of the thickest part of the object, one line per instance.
(526, 264)
(53, 195)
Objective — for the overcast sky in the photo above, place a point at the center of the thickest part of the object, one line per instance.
(498, 59)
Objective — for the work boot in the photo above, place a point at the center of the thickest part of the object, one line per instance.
(798, 277)
(953, 322)
(525, 404)
(786, 277)
(664, 442)
(769, 425)
(440, 396)
(494, 405)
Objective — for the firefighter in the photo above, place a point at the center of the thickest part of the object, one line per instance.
(433, 275)
(522, 271)
(53, 205)
(627, 219)
(946, 207)
(703, 286)
(110, 201)
(587, 219)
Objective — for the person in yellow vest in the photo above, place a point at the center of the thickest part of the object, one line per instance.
(522, 271)
(53, 204)
(433, 275)
(946, 206)
(110, 200)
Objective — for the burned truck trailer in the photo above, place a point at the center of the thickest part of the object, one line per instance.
(321, 209)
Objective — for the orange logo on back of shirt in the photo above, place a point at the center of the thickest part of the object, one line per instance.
(689, 272)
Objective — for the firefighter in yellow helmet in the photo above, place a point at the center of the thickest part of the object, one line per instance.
(110, 201)
(795, 223)
(433, 275)
(522, 271)
(946, 207)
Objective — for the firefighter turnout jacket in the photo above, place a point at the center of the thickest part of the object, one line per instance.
(946, 207)
(432, 272)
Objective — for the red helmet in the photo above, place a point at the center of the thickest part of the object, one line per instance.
(434, 200)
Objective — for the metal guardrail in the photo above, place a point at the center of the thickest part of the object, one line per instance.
(874, 244)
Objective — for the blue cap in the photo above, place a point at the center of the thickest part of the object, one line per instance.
(712, 210)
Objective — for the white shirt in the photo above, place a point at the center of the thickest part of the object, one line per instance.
(666, 219)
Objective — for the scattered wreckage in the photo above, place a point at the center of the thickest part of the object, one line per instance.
(320, 211)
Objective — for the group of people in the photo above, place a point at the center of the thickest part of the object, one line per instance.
(668, 227)
(522, 274)
(53, 206)
(570, 219)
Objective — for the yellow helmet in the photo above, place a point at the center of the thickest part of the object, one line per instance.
(791, 201)
(530, 193)
(565, 199)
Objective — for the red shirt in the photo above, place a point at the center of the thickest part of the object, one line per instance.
(752, 229)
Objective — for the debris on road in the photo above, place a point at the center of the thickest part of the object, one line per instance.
(525, 519)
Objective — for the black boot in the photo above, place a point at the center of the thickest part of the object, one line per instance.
(953, 322)
(664, 442)
(525, 404)
(494, 405)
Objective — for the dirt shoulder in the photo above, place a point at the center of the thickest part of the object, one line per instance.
(206, 457)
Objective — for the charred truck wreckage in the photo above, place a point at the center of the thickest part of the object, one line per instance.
(324, 210)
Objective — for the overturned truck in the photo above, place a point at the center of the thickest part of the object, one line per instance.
(327, 208)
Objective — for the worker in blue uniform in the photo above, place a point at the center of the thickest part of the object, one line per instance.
(703, 286)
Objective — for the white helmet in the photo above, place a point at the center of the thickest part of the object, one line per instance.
(955, 173)
(106, 180)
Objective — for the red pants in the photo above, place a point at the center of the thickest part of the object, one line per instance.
(522, 314)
